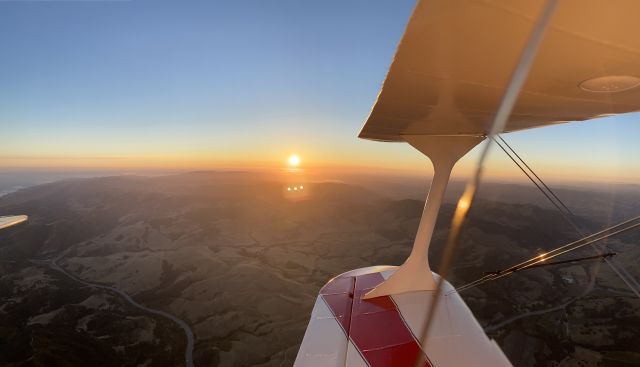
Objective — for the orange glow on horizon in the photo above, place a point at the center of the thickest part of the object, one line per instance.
(412, 164)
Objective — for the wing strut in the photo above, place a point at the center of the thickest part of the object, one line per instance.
(415, 274)
(500, 119)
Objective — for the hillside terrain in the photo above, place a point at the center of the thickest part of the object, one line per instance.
(240, 259)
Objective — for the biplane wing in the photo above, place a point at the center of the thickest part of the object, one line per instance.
(448, 79)
(10, 221)
(456, 57)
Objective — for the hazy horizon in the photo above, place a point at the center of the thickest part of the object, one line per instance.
(162, 85)
(182, 183)
(402, 183)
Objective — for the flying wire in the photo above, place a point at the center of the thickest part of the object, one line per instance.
(567, 214)
(598, 236)
(556, 204)
(533, 173)
(516, 81)
(571, 261)
(630, 281)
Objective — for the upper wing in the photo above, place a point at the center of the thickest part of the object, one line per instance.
(456, 56)
(9, 221)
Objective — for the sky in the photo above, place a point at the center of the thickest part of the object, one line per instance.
(212, 84)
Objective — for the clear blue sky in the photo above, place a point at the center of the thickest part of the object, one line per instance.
(102, 83)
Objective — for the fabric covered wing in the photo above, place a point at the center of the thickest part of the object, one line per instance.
(346, 330)
(8, 221)
(456, 56)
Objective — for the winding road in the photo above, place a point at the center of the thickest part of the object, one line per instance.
(188, 354)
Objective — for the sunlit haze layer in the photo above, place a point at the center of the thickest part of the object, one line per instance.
(164, 86)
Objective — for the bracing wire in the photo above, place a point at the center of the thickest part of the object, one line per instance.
(627, 278)
(563, 249)
(572, 261)
(550, 195)
(591, 239)
(536, 176)
(503, 112)
(567, 214)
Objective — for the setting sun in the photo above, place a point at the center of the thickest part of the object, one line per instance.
(294, 160)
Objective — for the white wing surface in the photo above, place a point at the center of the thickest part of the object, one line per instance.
(456, 56)
(9, 221)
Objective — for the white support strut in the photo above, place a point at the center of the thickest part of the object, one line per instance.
(415, 274)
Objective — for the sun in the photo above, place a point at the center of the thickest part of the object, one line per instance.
(294, 160)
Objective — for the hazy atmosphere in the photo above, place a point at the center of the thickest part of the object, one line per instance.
(210, 84)
(193, 177)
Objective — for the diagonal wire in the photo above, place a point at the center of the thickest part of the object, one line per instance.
(622, 273)
(548, 195)
(602, 234)
(516, 81)
(534, 173)
(589, 240)
(569, 216)
(542, 259)
(607, 232)
(593, 238)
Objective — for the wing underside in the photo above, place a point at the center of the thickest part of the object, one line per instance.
(456, 56)
(9, 221)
